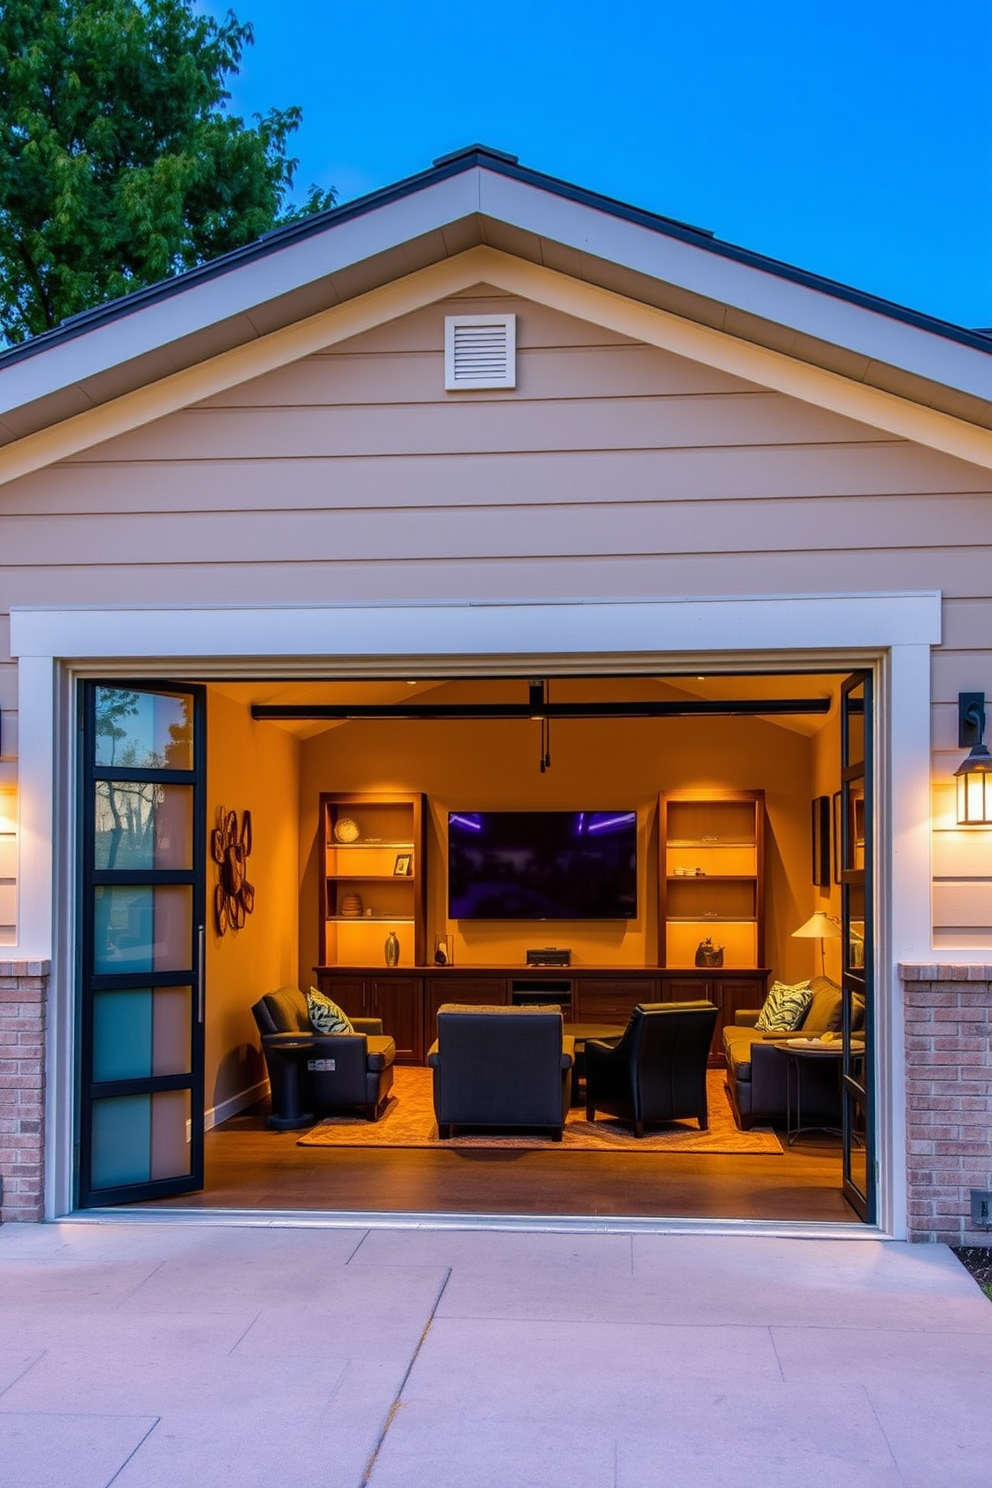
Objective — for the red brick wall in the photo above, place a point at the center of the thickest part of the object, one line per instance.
(23, 1012)
(948, 1099)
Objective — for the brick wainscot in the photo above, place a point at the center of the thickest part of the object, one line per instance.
(23, 1012)
(948, 1099)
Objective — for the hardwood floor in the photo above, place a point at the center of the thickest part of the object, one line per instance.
(249, 1167)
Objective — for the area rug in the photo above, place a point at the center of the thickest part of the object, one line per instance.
(408, 1121)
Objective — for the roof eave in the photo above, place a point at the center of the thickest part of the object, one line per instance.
(478, 196)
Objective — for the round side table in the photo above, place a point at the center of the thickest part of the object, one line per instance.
(799, 1056)
(291, 1053)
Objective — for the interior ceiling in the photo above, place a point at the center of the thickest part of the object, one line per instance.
(711, 687)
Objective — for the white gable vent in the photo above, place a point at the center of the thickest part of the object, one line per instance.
(480, 351)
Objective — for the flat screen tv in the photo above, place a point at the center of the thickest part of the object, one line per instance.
(542, 865)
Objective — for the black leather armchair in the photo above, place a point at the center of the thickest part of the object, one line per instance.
(343, 1070)
(501, 1067)
(657, 1072)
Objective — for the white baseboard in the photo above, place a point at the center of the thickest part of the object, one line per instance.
(214, 1115)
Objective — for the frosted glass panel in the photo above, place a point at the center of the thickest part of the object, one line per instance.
(144, 730)
(171, 1151)
(140, 824)
(122, 1034)
(856, 1161)
(121, 1150)
(856, 726)
(138, 1138)
(141, 1031)
(142, 927)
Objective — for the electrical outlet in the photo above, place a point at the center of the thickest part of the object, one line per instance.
(981, 1207)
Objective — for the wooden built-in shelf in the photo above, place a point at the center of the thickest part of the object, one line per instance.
(389, 827)
(725, 830)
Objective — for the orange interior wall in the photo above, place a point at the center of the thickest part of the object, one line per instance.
(255, 769)
(603, 765)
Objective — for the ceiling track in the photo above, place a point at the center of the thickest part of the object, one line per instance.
(433, 712)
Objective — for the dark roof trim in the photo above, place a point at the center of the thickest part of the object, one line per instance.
(500, 163)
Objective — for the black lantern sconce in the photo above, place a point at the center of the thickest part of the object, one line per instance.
(974, 774)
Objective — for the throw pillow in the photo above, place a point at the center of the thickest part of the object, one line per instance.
(825, 1010)
(784, 1008)
(325, 1015)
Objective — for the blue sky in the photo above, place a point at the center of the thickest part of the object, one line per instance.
(853, 139)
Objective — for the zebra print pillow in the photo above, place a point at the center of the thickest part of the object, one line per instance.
(785, 1007)
(325, 1015)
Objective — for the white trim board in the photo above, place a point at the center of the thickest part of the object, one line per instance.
(234, 1105)
(819, 622)
(881, 410)
(897, 630)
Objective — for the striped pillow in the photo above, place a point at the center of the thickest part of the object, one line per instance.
(785, 1007)
(325, 1015)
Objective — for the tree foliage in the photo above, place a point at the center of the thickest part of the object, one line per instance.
(119, 163)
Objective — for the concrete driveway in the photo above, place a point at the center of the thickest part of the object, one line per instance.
(151, 1355)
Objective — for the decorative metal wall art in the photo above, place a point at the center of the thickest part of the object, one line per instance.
(230, 845)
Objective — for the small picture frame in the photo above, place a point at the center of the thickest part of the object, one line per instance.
(403, 864)
(821, 842)
(838, 840)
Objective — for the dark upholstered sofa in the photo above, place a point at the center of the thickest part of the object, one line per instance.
(756, 1067)
(343, 1070)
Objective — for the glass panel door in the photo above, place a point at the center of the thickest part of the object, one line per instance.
(142, 887)
(856, 857)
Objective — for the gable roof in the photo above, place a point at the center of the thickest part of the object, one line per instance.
(480, 198)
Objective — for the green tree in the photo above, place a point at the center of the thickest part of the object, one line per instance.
(119, 163)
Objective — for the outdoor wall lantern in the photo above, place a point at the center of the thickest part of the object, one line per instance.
(973, 774)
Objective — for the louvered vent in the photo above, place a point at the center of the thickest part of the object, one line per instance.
(480, 351)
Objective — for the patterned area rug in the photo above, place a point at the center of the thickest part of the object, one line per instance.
(408, 1121)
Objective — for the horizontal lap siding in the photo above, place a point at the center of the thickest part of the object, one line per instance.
(962, 857)
(759, 473)
(527, 528)
(8, 784)
(613, 469)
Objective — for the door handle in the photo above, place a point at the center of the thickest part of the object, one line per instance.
(201, 962)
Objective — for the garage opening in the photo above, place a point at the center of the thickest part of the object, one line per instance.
(747, 804)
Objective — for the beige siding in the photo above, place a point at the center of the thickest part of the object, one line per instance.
(613, 469)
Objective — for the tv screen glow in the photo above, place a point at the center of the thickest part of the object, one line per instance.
(542, 865)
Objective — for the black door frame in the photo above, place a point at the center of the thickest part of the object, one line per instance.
(88, 981)
(857, 947)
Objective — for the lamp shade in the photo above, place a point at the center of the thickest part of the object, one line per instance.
(819, 926)
(974, 782)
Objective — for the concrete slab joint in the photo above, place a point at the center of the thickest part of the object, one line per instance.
(23, 1023)
(948, 1021)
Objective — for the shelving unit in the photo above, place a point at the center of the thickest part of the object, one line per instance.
(711, 876)
(362, 870)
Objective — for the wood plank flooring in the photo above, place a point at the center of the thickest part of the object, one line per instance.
(249, 1167)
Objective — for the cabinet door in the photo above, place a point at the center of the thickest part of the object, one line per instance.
(735, 993)
(698, 989)
(687, 989)
(477, 991)
(399, 1002)
(350, 993)
(602, 1000)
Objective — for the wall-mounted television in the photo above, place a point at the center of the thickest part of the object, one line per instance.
(542, 865)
